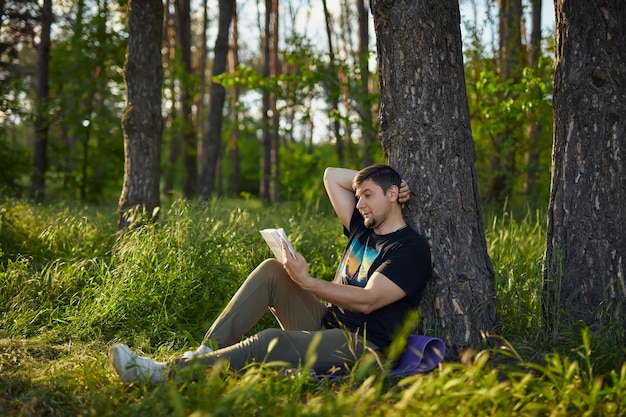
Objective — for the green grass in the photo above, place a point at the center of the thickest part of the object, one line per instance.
(71, 287)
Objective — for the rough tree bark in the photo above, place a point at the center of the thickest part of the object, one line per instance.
(142, 122)
(586, 236)
(425, 132)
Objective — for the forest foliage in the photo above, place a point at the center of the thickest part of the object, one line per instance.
(85, 149)
(72, 286)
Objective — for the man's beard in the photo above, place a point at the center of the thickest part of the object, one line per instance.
(370, 222)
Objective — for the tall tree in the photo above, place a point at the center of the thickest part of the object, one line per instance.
(368, 136)
(509, 66)
(201, 71)
(275, 192)
(142, 122)
(270, 154)
(234, 139)
(98, 101)
(334, 92)
(212, 140)
(426, 135)
(586, 237)
(42, 118)
(186, 85)
(266, 144)
(172, 137)
(534, 127)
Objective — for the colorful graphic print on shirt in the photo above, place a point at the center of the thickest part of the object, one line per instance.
(354, 267)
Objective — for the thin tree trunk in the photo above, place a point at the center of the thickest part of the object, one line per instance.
(42, 117)
(534, 128)
(100, 75)
(333, 87)
(275, 193)
(234, 145)
(201, 106)
(142, 122)
(173, 141)
(266, 141)
(183, 41)
(510, 63)
(212, 141)
(365, 103)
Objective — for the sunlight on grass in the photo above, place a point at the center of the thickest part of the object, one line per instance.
(516, 245)
(72, 286)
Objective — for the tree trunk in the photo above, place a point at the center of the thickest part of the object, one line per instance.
(333, 87)
(586, 235)
(201, 97)
(41, 114)
(183, 43)
(266, 140)
(234, 145)
(101, 76)
(275, 193)
(426, 135)
(534, 128)
(142, 122)
(212, 141)
(368, 138)
(510, 61)
(172, 142)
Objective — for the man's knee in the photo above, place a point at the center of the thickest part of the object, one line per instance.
(269, 336)
(270, 270)
(270, 265)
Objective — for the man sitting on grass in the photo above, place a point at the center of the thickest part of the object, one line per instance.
(379, 283)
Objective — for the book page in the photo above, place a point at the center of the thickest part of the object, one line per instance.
(272, 237)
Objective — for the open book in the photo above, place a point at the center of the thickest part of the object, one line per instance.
(272, 237)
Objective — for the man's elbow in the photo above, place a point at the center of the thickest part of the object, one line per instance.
(366, 308)
(328, 174)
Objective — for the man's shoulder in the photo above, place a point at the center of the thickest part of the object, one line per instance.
(415, 239)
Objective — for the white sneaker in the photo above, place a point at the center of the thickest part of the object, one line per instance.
(132, 368)
(202, 350)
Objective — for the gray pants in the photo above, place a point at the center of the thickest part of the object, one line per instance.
(299, 314)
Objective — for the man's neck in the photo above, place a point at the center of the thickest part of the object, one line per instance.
(392, 224)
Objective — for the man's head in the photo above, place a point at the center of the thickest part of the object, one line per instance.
(376, 188)
(382, 175)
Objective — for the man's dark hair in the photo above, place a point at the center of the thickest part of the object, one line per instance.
(382, 175)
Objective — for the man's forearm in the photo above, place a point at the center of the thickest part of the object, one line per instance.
(345, 296)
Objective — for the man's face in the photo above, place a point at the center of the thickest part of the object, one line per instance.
(373, 204)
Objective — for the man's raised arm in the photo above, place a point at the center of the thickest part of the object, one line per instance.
(338, 183)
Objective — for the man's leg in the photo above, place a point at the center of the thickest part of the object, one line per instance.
(333, 349)
(268, 286)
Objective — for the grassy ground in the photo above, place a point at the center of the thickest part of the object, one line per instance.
(71, 287)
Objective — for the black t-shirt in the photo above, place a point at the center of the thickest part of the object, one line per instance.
(402, 256)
